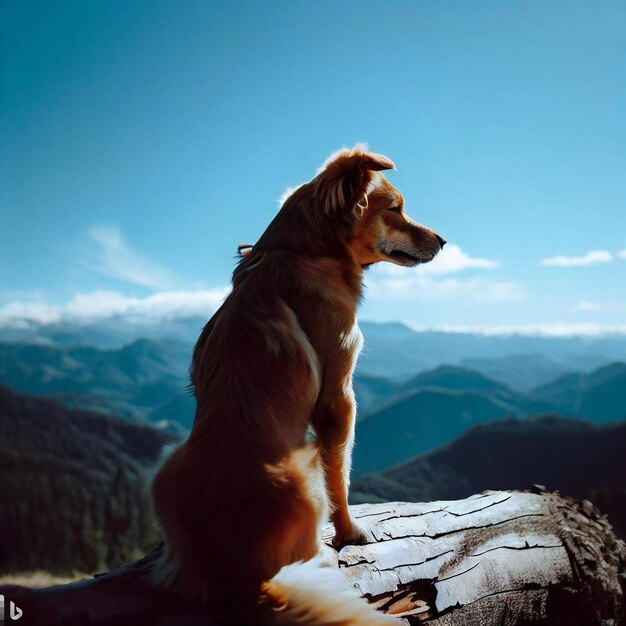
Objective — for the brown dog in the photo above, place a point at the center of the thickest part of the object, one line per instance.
(246, 494)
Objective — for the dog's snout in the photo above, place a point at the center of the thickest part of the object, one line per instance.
(441, 240)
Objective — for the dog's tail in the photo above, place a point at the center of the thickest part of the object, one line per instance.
(312, 593)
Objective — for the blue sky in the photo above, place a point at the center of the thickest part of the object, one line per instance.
(143, 140)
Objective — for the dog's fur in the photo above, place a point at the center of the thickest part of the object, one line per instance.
(245, 495)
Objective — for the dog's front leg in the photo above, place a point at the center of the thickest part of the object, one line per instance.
(334, 425)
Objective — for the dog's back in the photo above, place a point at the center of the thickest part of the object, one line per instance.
(245, 487)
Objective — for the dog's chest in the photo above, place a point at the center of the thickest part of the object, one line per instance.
(351, 341)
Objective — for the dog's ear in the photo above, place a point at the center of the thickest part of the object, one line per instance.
(343, 182)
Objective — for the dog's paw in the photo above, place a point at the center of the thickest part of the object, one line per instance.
(355, 536)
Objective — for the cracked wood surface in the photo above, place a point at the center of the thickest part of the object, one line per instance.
(494, 558)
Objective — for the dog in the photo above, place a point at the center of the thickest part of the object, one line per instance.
(241, 502)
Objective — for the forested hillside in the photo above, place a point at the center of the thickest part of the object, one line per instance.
(599, 395)
(146, 380)
(133, 381)
(72, 487)
(430, 409)
(74, 490)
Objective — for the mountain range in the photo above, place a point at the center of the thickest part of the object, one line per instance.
(431, 409)
(599, 395)
(434, 407)
(84, 411)
(132, 381)
(146, 381)
(392, 350)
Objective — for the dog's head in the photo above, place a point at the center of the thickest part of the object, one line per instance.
(351, 188)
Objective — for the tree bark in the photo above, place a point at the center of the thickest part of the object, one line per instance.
(495, 558)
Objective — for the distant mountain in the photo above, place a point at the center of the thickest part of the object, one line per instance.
(392, 350)
(599, 396)
(147, 379)
(430, 409)
(73, 487)
(453, 377)
(181, 409)
(397, 352)
(523, 371)
(106, 334)
(579, 459)
(131, 381)
(372, 392)
(434, 407)
(418, 422)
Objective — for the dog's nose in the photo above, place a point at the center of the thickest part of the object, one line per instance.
(441, 240)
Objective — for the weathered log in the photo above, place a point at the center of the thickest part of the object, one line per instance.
(494, 558)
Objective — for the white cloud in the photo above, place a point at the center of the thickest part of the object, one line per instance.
(622, 254)
(594, 257)
(418, 287)
(110, 255)
(392, 282)
(99, 305)
(556, 329)
(450, 260)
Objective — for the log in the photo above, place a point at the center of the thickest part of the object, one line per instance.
(499, 557)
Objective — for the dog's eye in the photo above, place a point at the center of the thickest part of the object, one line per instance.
(395, 209)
